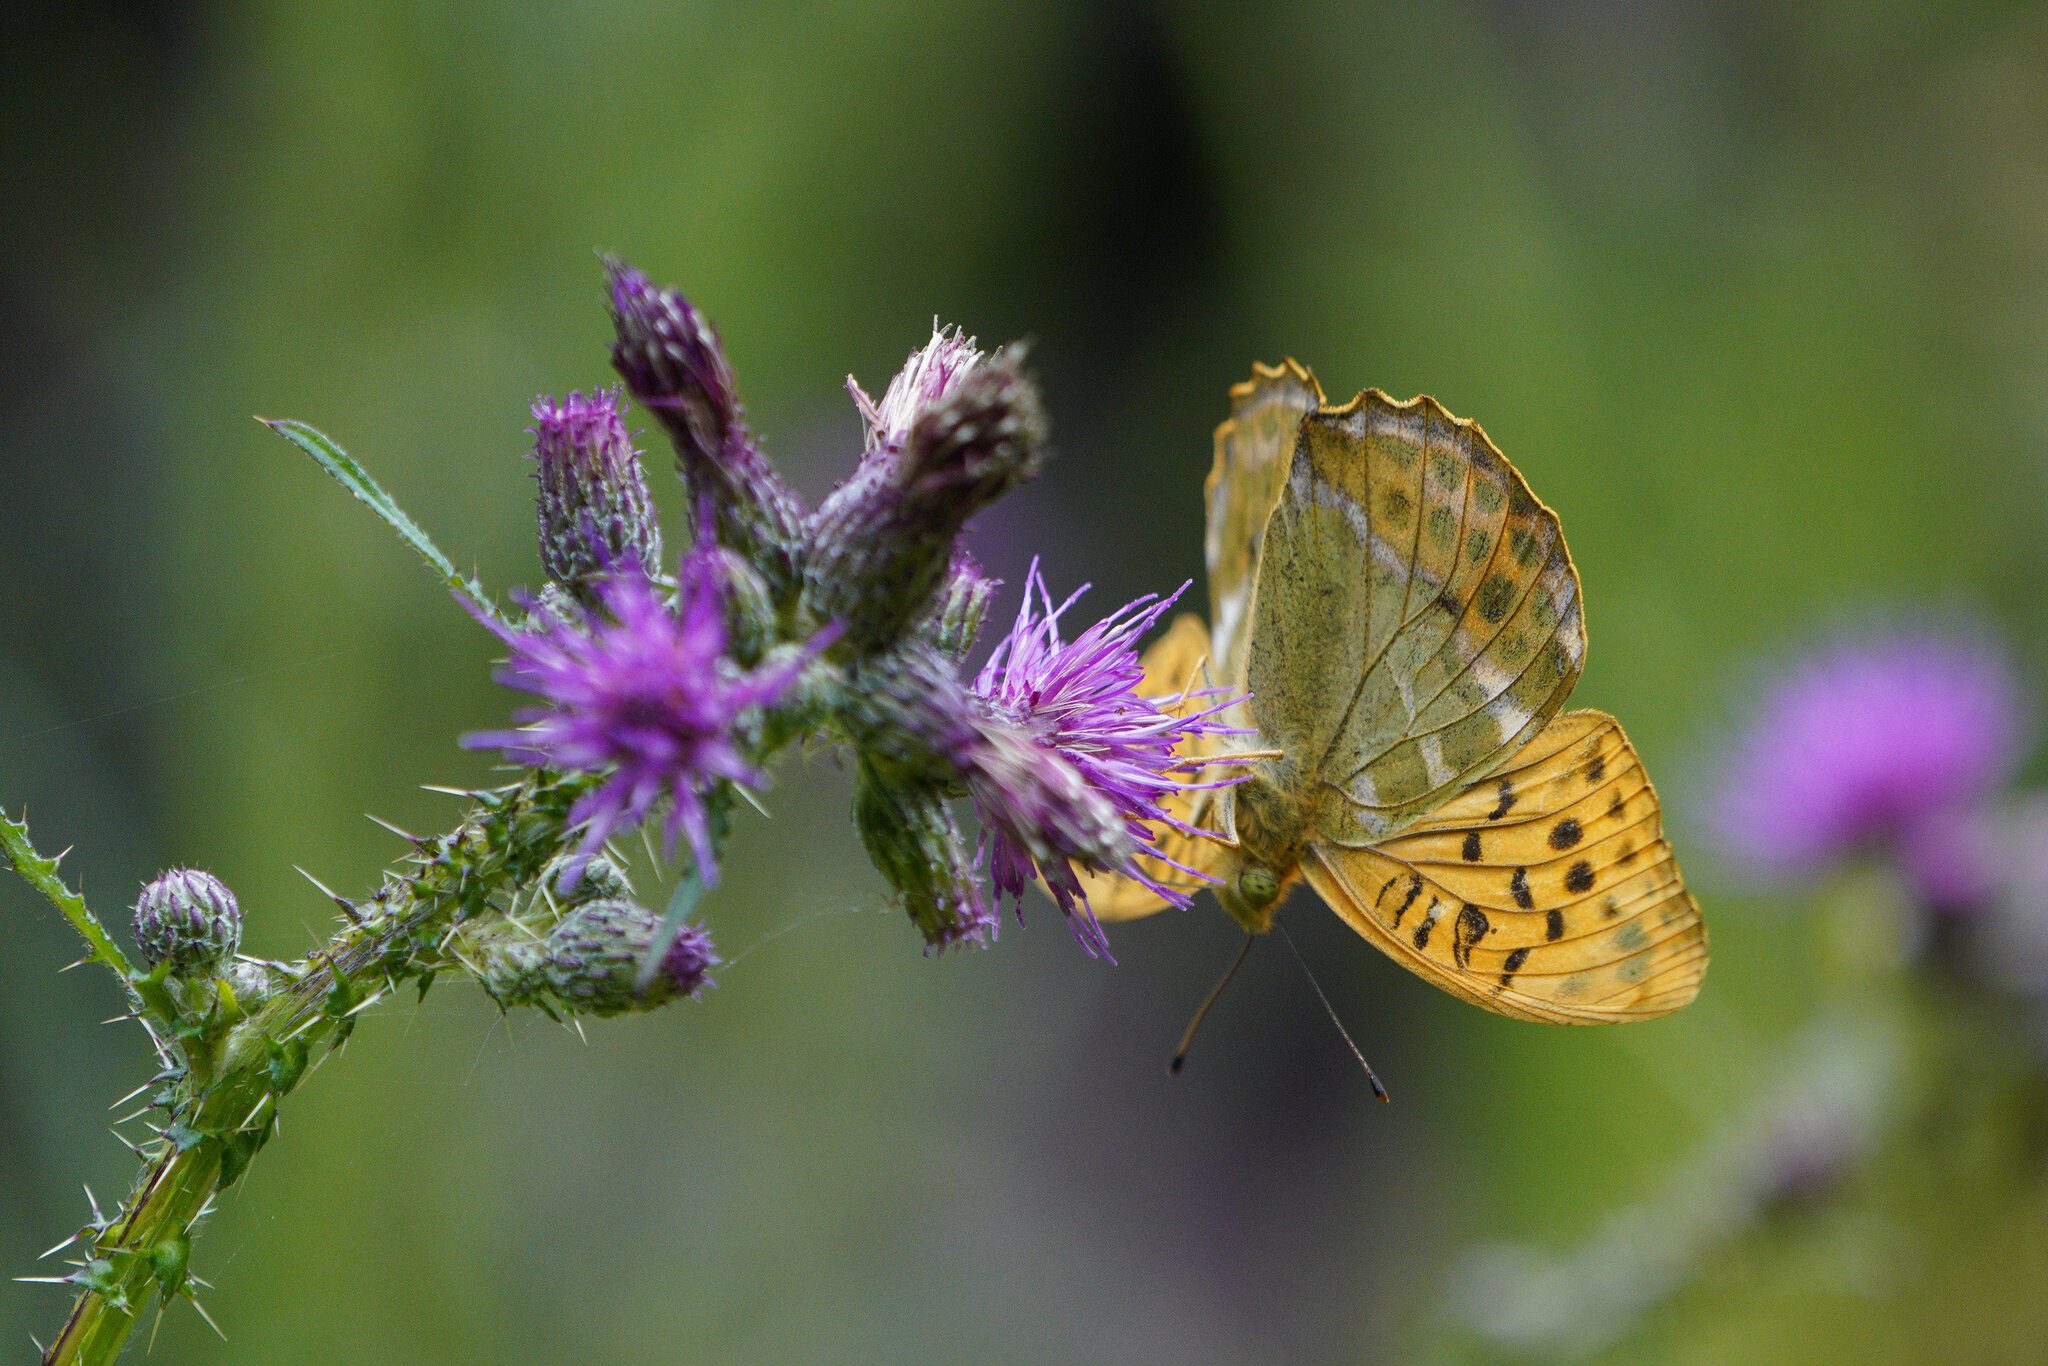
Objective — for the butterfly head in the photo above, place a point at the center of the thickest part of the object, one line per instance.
(1252, 895)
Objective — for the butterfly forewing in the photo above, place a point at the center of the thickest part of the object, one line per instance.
(1546, 892)
(1414, 615)
(1253, 448)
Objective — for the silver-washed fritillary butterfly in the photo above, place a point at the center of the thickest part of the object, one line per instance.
(1405, 618)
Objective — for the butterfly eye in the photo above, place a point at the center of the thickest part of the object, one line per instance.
(1257, 886)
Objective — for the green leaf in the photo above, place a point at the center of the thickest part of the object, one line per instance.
(238, 1149)
(184, 1137)
(167, 1263)
(357, 480)
(287, 1064)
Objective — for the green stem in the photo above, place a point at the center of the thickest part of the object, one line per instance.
(41, 874)
(503, 844)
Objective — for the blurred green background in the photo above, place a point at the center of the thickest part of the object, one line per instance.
(1757, 296)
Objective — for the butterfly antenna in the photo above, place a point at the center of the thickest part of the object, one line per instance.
(1187, 1040)
(1370, 1076)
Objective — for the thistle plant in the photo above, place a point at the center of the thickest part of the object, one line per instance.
(661, 693)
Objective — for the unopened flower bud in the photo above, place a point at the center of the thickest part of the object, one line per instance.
(884, 543)
(189, 919)
(673, 365)
(591, 961)
(594, 511)
(954, 621)
(914, 841)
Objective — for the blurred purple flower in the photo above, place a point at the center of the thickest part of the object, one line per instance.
(1895, 738)
(643, 692)
(1077, 761)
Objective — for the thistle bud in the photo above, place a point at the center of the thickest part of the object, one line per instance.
(912, 837)
(189, 919)
(594, 512)
(672, 363)
(954, 621)
(926, 378)
(884, 543)
(591, 961)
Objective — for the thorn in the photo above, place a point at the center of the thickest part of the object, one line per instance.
(348, 908)
(136, 1149)
(577, 1025)
(418, 841)
(93, 1201)
(200, 1310)
(360, 1006)
(135, 1115)
(63, 854)
(61, 1246)
(44, 1280)
(447, 791)
(753, 801)
(133, 1094)
(89, 958)
(154, 1327)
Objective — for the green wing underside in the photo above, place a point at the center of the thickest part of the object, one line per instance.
(1414, 615)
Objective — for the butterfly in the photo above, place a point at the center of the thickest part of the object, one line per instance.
(1401, 619)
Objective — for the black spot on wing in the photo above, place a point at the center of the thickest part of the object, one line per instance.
(1472, 852)
(1513, 965)
(1579, 877)
(1566, 833)
(1472, 927)
(1519, 885)
(1414, 890)
(1507, 801)
(1553, 926)
(1614, 805)
(1596, 769)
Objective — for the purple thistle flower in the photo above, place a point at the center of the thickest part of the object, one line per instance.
(1075, 763)
(1895, 738)
(642, 692)
(594, 510)
(883, 542)
(927, 377)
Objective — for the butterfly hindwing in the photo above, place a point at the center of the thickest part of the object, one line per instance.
(1545, 891)
(1175, 663)
(1415, 616)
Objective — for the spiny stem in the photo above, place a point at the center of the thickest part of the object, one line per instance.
(228, 1109)
(41, 874)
